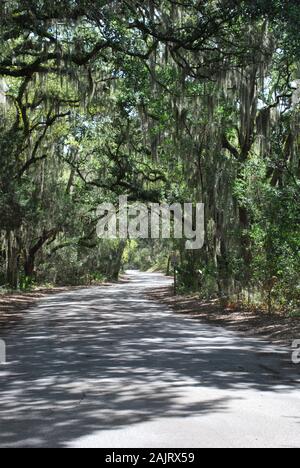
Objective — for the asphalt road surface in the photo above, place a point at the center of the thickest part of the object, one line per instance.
(106, 367)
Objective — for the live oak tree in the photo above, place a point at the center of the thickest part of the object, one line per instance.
(161, 101)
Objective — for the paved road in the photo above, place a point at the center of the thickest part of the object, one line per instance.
(105, 367)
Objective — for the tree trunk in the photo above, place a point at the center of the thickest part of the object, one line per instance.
(11, 261)
(115, 266)
(168, 272)
(29, 266)
(245, 242)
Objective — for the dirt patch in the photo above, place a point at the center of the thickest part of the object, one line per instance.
(274, 328)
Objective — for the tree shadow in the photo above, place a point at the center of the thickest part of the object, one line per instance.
(106, 358)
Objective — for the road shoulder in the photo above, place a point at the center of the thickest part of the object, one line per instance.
(275, 328)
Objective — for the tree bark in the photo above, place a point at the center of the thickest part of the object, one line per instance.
(29, 264)
(11, 260)
(244, 222)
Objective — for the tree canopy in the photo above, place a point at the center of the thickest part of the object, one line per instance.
(162, 101)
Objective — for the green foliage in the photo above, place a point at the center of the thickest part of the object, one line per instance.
(26, 283)
(177, 103)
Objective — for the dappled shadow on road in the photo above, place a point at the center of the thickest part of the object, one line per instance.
(107, 358)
